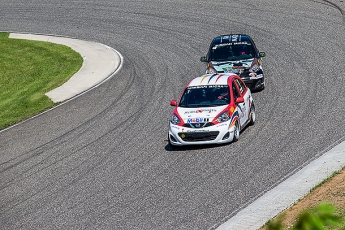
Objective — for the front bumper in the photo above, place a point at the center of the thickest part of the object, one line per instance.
(254, 83)
(216, 134)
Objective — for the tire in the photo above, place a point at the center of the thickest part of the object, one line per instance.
(252, 115)
(236, 133)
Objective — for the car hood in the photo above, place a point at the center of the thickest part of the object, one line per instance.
(199, 115)
(237, 67)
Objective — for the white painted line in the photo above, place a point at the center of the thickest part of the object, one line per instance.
(288, 192)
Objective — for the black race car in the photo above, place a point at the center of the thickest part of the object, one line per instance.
(236, 53)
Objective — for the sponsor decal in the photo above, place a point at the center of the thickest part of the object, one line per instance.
(175, 127)
(237, 70)
(243, 110)
(197, 120)
(230, 44)
(208, 86)
(201, 111)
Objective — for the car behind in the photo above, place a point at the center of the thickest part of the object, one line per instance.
(236, 53)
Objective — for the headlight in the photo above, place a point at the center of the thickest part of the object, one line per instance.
(175, 120)
(254, 68)
(211, 70)
(223, 117)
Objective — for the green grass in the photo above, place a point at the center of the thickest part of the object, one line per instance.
(29, 69)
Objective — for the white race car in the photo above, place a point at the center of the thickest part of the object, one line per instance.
(213, 109)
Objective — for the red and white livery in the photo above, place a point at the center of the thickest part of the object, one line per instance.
(213, 109)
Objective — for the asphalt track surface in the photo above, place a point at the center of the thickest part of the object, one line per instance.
(102, 160)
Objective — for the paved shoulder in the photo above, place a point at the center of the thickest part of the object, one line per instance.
(100, 62)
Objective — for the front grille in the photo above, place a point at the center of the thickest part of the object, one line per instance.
(199, 136)
(245, 74)
(198, 125)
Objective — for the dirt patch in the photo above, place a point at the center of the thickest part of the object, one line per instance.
(332, 191)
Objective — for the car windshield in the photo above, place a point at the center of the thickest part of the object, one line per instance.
(205, 96)
(232, 51)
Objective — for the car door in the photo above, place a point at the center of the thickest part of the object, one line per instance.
(240, 106)
(245, 106)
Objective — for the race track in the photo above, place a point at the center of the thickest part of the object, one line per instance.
(102, 161)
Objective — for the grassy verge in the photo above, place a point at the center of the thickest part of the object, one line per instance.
(331, 191)
(29, 69)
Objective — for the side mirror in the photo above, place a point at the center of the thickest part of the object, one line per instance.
(203, 59)
(239, 100)
(262, 54)
(173, 103)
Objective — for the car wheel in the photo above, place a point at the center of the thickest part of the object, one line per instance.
(252, 115)
(236, 132)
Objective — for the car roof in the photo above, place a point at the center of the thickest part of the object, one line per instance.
(212, 79)
(231, 38)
